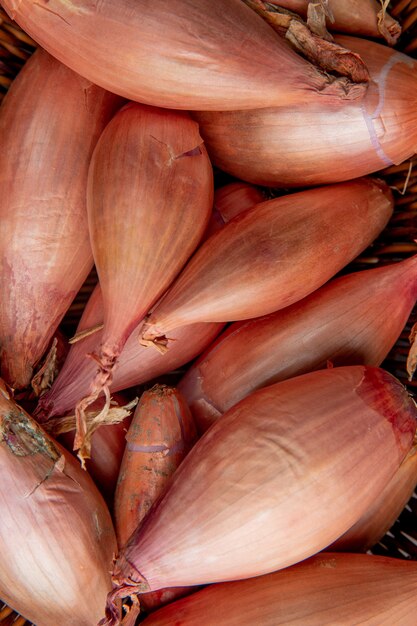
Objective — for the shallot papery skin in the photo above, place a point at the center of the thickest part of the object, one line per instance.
(231, 200)
(149, 199)
(236, 505)
(383, 512)
(50, 122)
(352, 320)
(107, 448)
(325, 590)
(136, 364)
(313, 144)
(56, 535)
(160, 436)
(273, 255)
(181, 55)
(358, 17)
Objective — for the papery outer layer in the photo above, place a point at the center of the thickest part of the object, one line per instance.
(181, 56)
(136, 364)
(236, 505)
(50, 122)
(352, 320)
(326, 590)
(357, 17)
(56, 535)
(161, 434)
(383, 512)
(273, 255)
(342, 141)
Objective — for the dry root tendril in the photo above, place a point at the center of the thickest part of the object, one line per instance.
(412, 355)
(101, 384)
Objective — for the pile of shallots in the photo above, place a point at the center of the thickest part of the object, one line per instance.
(284, 437)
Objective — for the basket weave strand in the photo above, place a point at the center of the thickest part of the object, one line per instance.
(394, 244)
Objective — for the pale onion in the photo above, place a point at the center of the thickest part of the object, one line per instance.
(236, 506)
(184, 55)
(56, 535)
(312, 144)
(273, 255)
(326, 590)
(50, 122)
(352, 320)
(383, 512)
(150, 194)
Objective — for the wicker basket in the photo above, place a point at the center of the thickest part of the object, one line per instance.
(395, 243)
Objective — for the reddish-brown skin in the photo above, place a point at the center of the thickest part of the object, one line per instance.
(136, 364)
(357, 17)
(273, 255)
(313, 144)
(181, 55)
(56, 535)
(50, 122)
(160, 436)
(108, 446)
(236, 506)
(149, 199)
(230, 201)
(326, 590)
(353, 320)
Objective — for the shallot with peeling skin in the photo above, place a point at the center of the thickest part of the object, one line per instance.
(352, 320)
(150, 194)
(364, 18)
(272, 256)
(181, 55)
(56, 535)
(107, 442)
(160, 436)
(50, 122)
(136, 364)
(236, 505)
(325, 590)
(342, 142)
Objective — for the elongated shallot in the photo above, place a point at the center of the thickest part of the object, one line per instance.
(273, 255)
(184, 55)
(313, 144)
(326, 590)
(150, 194)
(353, 320)
(56, 535)
(236, 505)
(50, 122)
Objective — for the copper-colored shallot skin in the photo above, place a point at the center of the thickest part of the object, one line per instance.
(236, 505)
(50, 122)
(273, 255)
(325, 590)
(316, 144)
(185, 55)
(56, 534)
(352, 320)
